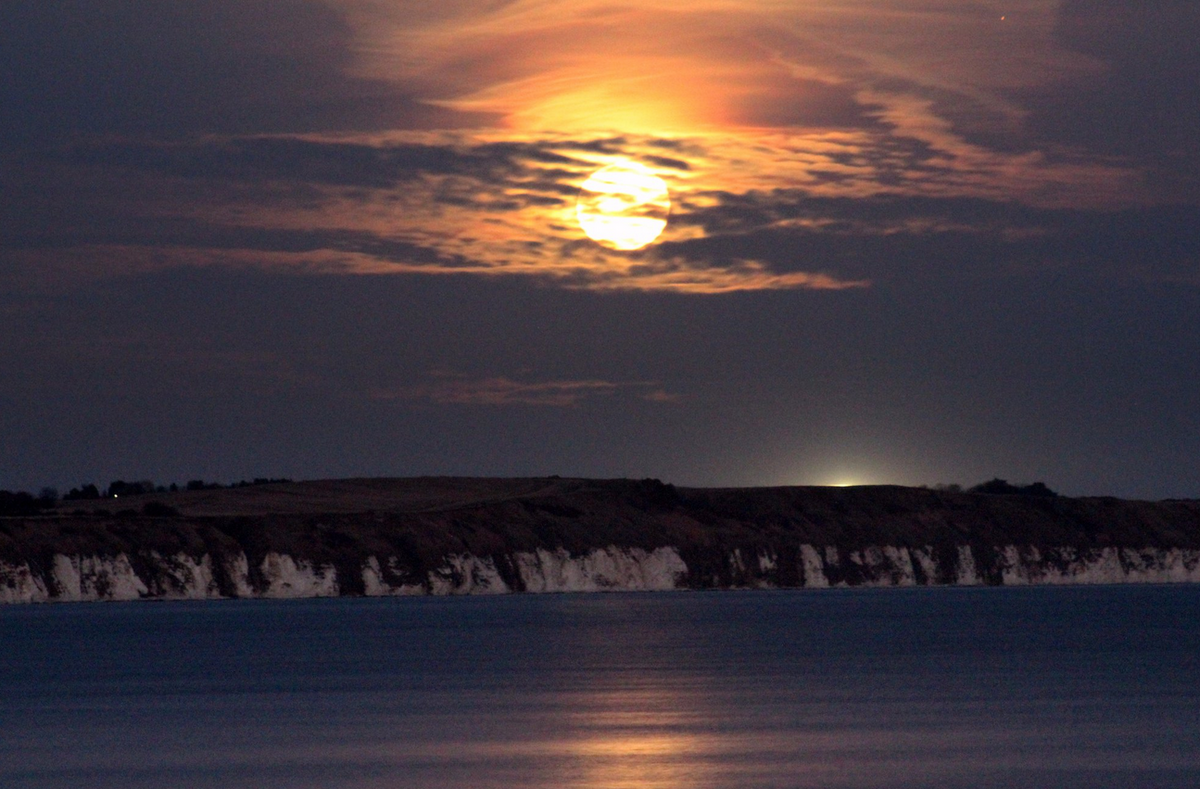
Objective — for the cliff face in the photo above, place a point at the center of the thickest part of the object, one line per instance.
(180, 577)
(497, 536)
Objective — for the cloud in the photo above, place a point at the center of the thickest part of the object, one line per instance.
(583, 65)
(453, 389)
(313, 160)
(1034, 97)
(946, 75)
(182, 67)
(820, 211)
(586, 66)
(684, 275)
(435, 204)
(1138, 101)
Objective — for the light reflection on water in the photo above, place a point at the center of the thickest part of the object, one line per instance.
(1073, 688)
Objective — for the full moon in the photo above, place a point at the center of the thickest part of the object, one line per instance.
(623, 206)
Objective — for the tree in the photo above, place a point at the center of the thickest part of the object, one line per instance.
(1003, 487)
(121, 488)
(995, 486)
(84, 493)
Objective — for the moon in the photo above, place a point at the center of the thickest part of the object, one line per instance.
(623, 206)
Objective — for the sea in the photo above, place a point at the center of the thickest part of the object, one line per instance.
(1011, 688)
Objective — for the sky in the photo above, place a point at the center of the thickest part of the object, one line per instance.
(909, 241)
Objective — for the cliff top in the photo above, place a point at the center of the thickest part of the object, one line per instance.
(579, 513)
(337, 496)
(440, 494)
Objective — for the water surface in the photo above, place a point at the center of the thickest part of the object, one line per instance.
(1085, 687)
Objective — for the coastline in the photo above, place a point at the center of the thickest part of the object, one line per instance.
(446, 536)
(280, 576)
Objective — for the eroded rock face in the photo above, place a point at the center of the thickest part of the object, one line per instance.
(287, 577)
(181, 577)
(18, 584)
(629, 569)
(96, 578)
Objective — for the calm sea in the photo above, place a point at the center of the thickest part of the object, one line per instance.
(1047, 687)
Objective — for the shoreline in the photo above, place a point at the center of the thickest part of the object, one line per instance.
(453, 536)
(280, 576)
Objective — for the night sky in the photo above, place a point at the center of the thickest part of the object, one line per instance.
(910, 241)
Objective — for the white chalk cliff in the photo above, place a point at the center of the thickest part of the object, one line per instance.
(182, 577)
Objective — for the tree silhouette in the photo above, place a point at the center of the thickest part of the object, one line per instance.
(997, 486)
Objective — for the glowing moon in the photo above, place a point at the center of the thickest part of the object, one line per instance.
(623, 206)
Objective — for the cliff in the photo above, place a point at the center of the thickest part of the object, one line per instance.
(480, 536)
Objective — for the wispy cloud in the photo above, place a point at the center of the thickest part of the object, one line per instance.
(455, 389)
(435, 204)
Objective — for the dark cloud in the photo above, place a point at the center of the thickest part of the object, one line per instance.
(885, 238)
(457, 389)
(1143, 101)
(132, 192)
(173, 234)
(666, 161)
(182, 67)
(751, 212)
(255, 159)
